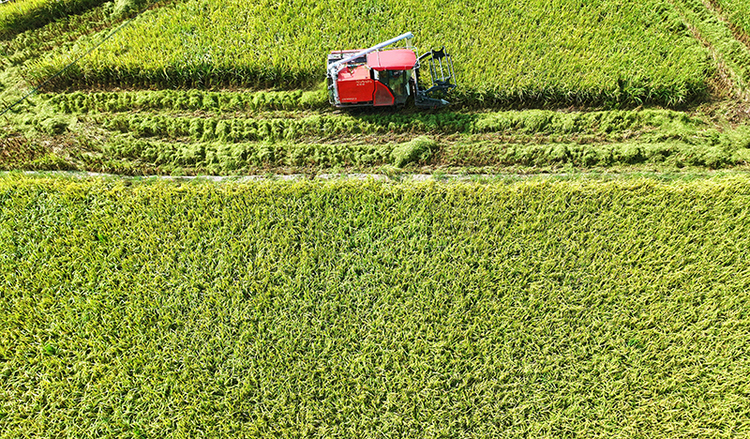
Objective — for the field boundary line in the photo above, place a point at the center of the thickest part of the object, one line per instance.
(397, 178)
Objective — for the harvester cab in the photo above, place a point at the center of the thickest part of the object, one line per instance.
(379, 78)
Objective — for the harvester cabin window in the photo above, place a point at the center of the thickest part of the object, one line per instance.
(397, 81)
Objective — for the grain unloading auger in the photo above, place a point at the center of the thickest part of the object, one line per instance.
(379, 78)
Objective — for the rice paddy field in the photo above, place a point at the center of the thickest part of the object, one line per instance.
(535, 307)
(17, 16)
(562, 252)
(191, 87)
(506, 52)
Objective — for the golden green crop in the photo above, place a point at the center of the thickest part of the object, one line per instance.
(728, 45)
(532, 308)
(536, 51)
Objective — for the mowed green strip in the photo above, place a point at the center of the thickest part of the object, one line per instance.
(362, 309)
(565, 51)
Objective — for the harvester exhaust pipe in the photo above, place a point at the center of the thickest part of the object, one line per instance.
(333, 68)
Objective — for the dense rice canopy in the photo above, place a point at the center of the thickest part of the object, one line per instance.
(533, 50)
(20, 15)
(529, 309)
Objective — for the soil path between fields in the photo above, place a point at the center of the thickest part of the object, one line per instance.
(395, 178)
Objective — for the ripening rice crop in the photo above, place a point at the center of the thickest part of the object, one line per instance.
(22, 15)
(725, 41)
(192, 100)
(535, 308)
(276, 127)
(565, 51)
(37, 42)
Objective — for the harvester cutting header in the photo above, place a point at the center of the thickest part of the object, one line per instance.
(379, 78)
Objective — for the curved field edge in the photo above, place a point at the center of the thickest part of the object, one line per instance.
(496, 63)
(319, 309)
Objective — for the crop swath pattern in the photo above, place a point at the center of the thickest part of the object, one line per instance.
(293, 131)
(360, 309)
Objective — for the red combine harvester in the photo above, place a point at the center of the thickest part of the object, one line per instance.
(381, 78)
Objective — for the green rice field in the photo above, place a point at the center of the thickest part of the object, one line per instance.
(191, 87)
(506, 308)
(195, 244)
(22, 15)
(565, 52)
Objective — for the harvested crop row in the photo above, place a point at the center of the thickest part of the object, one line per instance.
(506, 53)
(258, 157)
(534, 308)
(505, 139)
(327, 125)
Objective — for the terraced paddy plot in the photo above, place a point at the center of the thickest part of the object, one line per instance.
(537, 51)
(355, 309)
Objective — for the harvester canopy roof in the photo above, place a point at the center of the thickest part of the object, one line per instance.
(397, 59)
